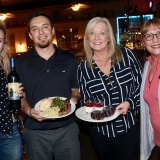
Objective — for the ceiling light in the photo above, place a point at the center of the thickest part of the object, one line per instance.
(150, 4)
(3, 17)
(75, 7)
(78, 6)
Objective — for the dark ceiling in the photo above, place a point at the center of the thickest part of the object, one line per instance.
(59, 10)
(18, 5)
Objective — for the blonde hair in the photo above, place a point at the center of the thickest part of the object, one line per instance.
(147, 24)
(114, 51)
(4, 53)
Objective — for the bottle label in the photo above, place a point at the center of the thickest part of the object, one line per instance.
(13, 89)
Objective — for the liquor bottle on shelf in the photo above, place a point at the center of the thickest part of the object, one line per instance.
(13, 87)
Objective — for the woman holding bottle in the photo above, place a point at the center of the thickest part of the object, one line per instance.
(150, 90)
(10, 139)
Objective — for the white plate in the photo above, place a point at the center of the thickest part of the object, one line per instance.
(73, 106)
(83, 115)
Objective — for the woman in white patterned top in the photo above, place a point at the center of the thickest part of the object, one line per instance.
(10, 139)
(112, 74)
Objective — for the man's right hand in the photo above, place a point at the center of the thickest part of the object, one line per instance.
(35, 114)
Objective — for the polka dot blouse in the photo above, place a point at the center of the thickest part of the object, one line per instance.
(5, 114)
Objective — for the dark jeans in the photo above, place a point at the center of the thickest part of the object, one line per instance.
(124, 147)
(11, 145)
(58, 144)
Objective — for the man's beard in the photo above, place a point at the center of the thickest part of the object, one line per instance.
(45, 45)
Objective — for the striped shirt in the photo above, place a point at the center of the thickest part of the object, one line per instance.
(123, 84)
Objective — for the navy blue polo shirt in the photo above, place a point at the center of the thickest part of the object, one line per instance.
(47, 78)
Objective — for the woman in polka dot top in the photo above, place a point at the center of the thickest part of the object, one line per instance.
(10, 139)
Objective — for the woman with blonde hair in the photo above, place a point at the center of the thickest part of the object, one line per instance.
(10, 139)
(150, 90)
(111, 74)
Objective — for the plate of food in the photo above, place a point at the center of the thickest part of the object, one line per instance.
(104, 115)
(55, 107)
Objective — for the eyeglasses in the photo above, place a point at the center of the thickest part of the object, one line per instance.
(150, 36)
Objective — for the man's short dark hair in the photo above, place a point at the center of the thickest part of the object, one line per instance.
(37, 14)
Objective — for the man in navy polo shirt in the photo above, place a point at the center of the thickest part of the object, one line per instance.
(48, 71)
